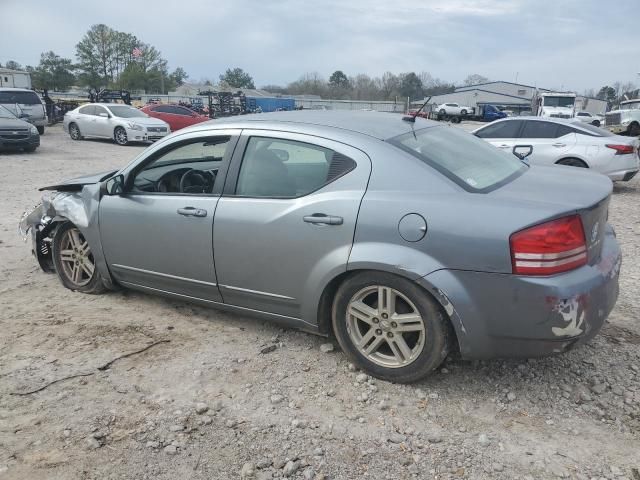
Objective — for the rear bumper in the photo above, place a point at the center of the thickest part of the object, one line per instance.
(504, 315)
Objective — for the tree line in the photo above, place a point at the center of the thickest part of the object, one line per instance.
(105, 58)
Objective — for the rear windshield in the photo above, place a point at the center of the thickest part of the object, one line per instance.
(23, 98)
(124, 111)
(472, 163)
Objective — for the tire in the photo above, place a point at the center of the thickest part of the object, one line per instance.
(456, 119)
(40, 130)
(74, 262)
(442, 111)
(596, 123)
(425, 339)
(463, 112)
(572, 162)
(29, 149)
(634, 130)
(74, 132)
(120, 136)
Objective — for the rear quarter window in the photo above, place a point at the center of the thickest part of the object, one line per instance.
(19, 97)
(475, 165)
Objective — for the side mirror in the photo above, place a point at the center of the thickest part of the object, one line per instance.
(114, 185)
(522, 151)
(24, 115)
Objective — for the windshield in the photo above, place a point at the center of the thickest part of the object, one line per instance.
(630, 106)
(20, 97)
(472, 163)
(559, 101)
(125, 111)
(5, 113)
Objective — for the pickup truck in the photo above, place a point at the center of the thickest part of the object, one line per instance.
(626, 119)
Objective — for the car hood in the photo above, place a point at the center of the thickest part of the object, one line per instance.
(13, 123)
(76, 184)
(146, 122)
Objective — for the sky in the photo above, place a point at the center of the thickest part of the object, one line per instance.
(557, 44)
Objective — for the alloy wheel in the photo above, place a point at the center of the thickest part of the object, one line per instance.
(121, 136)
(77, 261)
(74, 132)
(385, 326)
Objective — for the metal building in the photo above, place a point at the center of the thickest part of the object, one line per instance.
(14, 78)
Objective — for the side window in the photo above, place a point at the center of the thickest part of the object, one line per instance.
(163, 109)
(88, 110)
(539, 129)
(508, 129)
(287, 169)
(99, 110)
(563, 130)
(183, 111)
(188, 168)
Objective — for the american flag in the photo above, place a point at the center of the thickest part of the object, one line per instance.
(136, 52)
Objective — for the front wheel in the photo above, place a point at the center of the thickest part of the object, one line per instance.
(596, 123)
(463, 112)
(74, 262)
(442, 111)
(120, 136)
(390, 327)
(74, 132)
(40, 130)
(634, 130)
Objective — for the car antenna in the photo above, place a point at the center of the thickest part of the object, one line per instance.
(412, 117)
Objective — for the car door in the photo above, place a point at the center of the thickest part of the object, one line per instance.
(184, 116)
(286, 221)
(551, 141)
(158, 233)
(501, 134)
(101, 122)
(83, 119)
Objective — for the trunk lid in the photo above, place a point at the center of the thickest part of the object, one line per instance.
(564, 191)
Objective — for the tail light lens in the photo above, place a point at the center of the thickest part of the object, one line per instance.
(549, 248)
(621, 149)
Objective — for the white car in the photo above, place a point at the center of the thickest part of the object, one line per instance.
(566, 142)
(453, 109)
(121, 123)
(587, 117)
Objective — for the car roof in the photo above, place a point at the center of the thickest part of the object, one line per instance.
(380, 125)
(108, 104)
(16, 89)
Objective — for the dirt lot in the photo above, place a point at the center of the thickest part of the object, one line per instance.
(210, 405)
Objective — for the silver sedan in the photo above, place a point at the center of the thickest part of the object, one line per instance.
(404, 238)
(121, 123)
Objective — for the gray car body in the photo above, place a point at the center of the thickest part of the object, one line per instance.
(16, 133)
(463, 260)
(34, 113)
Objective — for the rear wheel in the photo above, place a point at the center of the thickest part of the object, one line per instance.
(572, 162)
(463, 112)
(390, 327)
(120, 136)
(40, 130)
(634, 130)
(596, 123)
(442, 111)
(74, 132)
(74, 261)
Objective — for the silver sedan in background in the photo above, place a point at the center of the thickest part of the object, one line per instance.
(121, 123)
(405, 238)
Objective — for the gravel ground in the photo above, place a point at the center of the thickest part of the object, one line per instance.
(210, 405)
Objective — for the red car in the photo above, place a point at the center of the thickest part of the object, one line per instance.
(176, 116)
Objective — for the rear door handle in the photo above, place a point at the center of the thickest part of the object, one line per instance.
(559, 145)
(322, 219)
(192, 212)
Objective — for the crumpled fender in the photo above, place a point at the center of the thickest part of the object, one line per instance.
(81, 209)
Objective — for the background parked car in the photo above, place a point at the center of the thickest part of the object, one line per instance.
(22, 101)
(587, 117)
(453, 109)
(121, 123)
(573, 143)
(16, 133)
(177, 116)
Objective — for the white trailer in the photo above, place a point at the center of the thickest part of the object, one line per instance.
(14, 78)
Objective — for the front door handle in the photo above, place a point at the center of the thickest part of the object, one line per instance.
(503, 146)
(192, 212)
(322, 219)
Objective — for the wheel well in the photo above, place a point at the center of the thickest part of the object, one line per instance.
(326, 305)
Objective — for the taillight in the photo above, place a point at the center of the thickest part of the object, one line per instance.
(621, 149)
(551, 247)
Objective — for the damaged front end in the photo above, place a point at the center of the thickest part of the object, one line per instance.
(77, 204)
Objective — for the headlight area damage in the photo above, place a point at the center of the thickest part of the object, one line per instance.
(75, 202)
